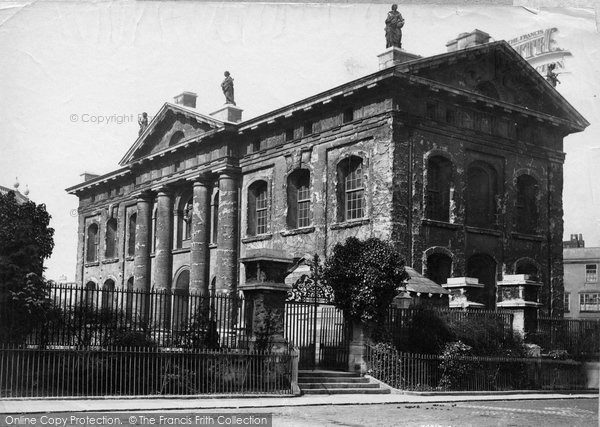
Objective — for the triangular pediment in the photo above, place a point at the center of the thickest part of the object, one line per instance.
(172, 125)
(497, 71)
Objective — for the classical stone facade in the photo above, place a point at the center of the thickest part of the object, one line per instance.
(457, 158)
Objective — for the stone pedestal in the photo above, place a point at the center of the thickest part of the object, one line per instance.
(356, 349)
(393, 56)
(228, 113)
(464, 292)
(520, 295)
(265, 293)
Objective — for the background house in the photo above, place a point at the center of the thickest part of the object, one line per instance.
(582, 281)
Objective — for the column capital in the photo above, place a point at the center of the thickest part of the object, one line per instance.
(203, 179)
(228, 170)
(144, 196)
(163, 190)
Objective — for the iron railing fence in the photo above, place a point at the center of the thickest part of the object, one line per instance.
(410, 371)
(83, 317)
(27, 372)
(579, 337)
(399, 321)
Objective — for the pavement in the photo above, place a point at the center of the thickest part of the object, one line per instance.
(32, 406)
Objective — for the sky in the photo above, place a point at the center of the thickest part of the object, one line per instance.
(75, 75)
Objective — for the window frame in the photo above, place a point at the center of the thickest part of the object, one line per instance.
(589, 306)
(299, 199)
(524, 208)
(256, 213)
(352, 189)
(589, 276)
(93, 245)
(438, 198)
(131, 231)
(111, 241)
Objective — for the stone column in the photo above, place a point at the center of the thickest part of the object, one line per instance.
(199, 244)
(199, 252)
(163, 259)
(227, 233)
(141, 263)
(141, 278)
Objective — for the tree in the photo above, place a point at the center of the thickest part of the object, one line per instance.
(25, 242)
(365, 277)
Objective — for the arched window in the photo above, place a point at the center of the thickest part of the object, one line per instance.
(439, 181)
(215, 218)
(111, 239)
(89, 294)
(92, 243)
(439, 268)
(527, 204)
(181, 300)
(298, 199)
(187, 220)
(184, 221)
(482, 187)
(257, 208)
(175, 138)
(351, 189)
(483, 267)
(131, 232)
(108, 292)
(528, 267)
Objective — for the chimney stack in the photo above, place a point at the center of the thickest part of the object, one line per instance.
(465, 40)
(187, 99)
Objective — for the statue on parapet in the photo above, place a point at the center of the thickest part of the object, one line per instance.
(393, 28)
(551, 76)
(143, 122)
(227, 87)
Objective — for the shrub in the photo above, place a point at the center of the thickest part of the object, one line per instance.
(454, 368)
(364, 276)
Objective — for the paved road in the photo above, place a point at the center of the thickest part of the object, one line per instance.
(516, 413)
(538, 413)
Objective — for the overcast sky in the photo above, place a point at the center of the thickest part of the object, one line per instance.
(65, 64)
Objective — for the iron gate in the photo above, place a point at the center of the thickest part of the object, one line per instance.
(320, 333)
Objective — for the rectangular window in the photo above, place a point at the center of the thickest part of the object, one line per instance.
(485, 124)
(303, 206)
(450, 116)
(468, 120)
(431, 110)
(348, 115)
(589, 302)
(354, 194)
(567, 302)
(307, 128)
(261, 212)
(591, 272)
(289, 134)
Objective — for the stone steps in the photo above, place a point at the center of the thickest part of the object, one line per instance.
(333, 382)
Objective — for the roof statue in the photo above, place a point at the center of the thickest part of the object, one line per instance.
(393, 28)
(551, 76)
(143, 122)
(227, 87)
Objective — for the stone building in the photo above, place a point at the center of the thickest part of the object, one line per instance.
(457, 158)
